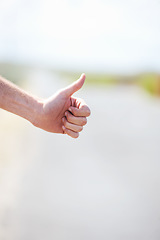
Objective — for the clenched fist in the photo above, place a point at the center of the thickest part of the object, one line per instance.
(62, 113)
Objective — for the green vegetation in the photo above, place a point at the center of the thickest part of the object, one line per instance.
(149, 81)
(98, 78)
(102, 79)
(94, 79)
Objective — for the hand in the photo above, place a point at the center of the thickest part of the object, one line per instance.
(63, 113)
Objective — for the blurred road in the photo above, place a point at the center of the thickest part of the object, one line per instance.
(104, 185)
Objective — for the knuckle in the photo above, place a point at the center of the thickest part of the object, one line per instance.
(80, 128)
(68, 132)
(65, 123)
(75, 112)
(69, 117)
(76, 135)
(88, 111)
(84, 121)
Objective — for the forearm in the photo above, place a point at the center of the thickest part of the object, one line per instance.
(53, 114)
(17, 101)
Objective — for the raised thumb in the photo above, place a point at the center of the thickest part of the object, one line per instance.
(75, 86)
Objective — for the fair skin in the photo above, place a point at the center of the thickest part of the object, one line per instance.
(61, 113)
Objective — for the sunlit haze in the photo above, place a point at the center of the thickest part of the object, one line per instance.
(94, 35)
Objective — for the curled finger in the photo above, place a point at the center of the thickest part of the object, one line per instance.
(70, 132)
(83, 111)
(71, 126)
(81, 121)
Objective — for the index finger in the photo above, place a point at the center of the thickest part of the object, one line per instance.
(82, 111)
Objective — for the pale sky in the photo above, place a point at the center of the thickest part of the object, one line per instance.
(95, 35)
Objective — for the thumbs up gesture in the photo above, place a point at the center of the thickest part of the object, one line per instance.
(62, 113)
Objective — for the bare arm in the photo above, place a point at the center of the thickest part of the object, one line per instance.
(17, 101)
(61, 113)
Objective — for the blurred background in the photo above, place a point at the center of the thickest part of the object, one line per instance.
(106, 184)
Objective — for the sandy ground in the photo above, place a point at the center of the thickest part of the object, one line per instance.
(104, 185)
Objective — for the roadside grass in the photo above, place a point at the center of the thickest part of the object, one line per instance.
(148, 81)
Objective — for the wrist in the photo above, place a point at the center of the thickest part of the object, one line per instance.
(38, 113)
